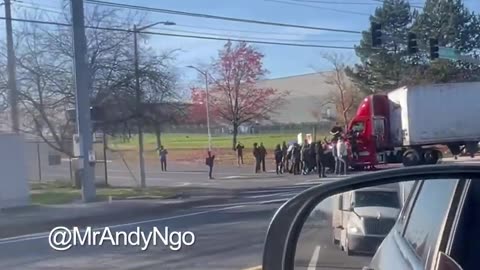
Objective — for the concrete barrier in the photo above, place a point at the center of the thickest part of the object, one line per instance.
(14, 189)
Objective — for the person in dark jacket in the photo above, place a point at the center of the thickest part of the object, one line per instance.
(210, 161)
(336, 132)
(278, 159)
(162, 152)
(304, 157)
(284, 157)
(239, 149)
(312, 157)
(263, 155)
(296, 155)
(320, 158)
(256, 155)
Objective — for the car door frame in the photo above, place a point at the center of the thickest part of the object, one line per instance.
(452, 211)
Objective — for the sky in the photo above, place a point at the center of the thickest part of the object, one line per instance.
(280, 61)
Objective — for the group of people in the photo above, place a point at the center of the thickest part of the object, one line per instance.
(305, 158)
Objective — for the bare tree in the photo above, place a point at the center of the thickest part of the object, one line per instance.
(345, 95)
(44, 67)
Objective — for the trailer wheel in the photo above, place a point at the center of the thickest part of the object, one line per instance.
(411, 157)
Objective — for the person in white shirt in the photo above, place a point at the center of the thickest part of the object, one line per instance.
(342, 156)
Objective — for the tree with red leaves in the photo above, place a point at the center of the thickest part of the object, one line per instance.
(197, 113)
(234, 96)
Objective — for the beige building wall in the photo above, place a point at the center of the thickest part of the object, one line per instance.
(307, 93)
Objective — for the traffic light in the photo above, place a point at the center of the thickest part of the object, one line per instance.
(376, 30)
(412, 43)
(434, 48)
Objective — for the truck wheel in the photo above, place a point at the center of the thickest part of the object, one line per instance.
(471, 148)
(411, 157)
(431, 156)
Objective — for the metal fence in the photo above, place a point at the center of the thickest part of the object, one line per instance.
(45, 163)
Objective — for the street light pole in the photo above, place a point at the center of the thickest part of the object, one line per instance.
(139, 111)
(207, 105)
(208, 113)
(138, 96)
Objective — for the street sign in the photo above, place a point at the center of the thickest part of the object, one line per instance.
(453, 54)
(448, 53)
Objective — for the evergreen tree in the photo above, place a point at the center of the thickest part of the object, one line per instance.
(382, 68)
(454, 26)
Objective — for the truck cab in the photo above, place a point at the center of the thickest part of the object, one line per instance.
(362, 218)
(370, 130)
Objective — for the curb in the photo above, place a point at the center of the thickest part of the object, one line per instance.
(103, 218)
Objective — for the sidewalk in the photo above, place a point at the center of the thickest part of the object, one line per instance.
(39, 219)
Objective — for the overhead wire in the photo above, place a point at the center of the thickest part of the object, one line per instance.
(189, 36)
(208, 16)
(256, 38)
(319, 7)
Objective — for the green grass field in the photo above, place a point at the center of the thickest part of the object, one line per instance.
(200, 141)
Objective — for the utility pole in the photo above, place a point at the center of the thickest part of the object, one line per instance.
(82, 100)
(138, 95)
(139, 111)
(12, 80)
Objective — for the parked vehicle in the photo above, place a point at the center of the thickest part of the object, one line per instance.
(408, 124)
(362, 218)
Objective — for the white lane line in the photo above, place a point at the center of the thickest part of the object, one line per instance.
(273, 195)
(35, 236)
(312, 265)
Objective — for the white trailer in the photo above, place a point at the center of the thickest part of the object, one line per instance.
(438, 114)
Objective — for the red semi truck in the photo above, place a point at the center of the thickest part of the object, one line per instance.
(407, 125)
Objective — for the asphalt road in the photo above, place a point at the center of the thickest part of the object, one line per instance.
(315, 250)
(229, 236)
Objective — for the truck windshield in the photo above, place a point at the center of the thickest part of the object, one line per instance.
(358, 127)
(376, 198)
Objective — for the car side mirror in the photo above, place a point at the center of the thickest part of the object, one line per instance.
(446, 262)
(296, 237)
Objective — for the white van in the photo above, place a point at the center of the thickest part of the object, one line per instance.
(362, 218)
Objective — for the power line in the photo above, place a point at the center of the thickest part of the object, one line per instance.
(382, 1)
(241, 30)
(208, 16)
(319, 7)
(190, 36)
(336, 2)
(256, 38)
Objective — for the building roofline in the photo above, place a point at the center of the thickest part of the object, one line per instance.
(293, 76)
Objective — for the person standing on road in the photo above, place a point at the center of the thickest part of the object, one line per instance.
(239, 149)
(296, 159)
(278, 159)
(342, 156)
(162, 152)
(304, 157)
(320, 158)
(256, 155)
(284, 157)
(263, 155)
(209, 162)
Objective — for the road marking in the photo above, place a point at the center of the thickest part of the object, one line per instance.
(312, 265)
(36, 236)
(274, 194)
(258, 267)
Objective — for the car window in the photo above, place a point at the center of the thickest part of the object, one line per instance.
(427, 217)
(412, 193)
(376, 198)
